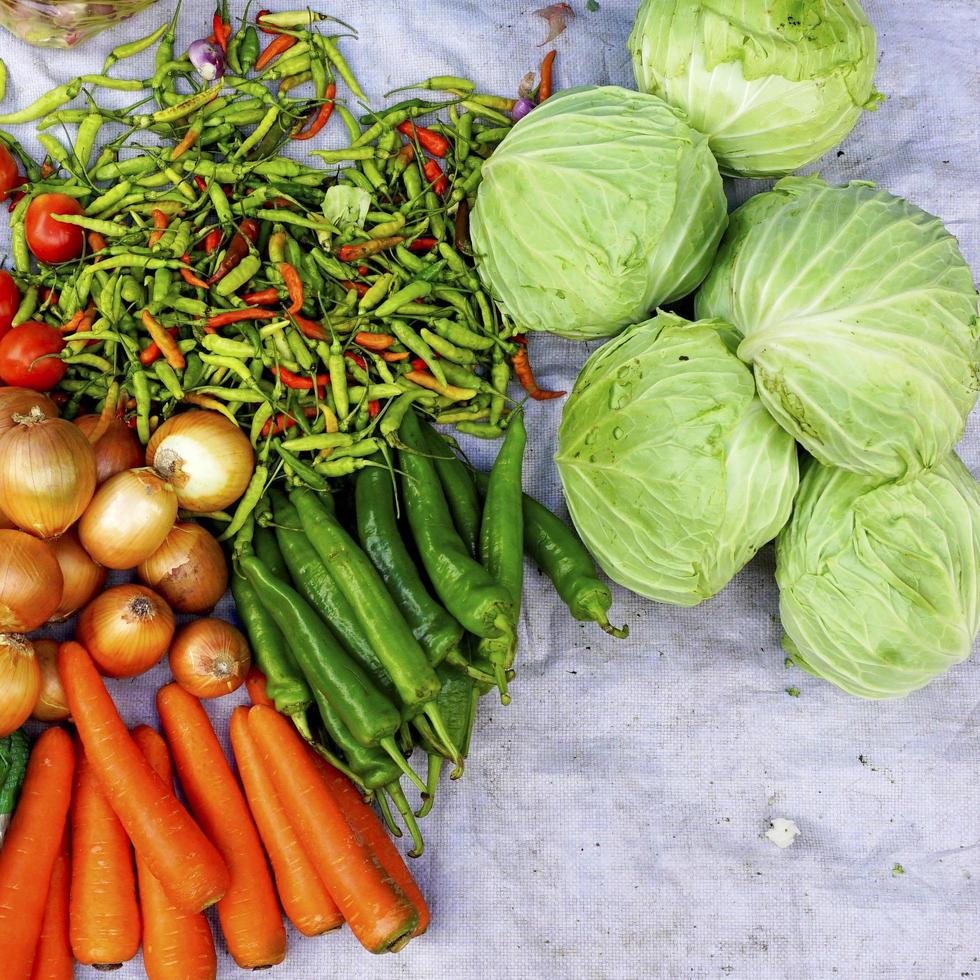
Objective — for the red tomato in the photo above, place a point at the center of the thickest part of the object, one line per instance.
(9, 177)
(50, 240)
(19, 350)
(9, 300)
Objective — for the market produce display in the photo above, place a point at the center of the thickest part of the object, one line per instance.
(235, 360)
(774, 85)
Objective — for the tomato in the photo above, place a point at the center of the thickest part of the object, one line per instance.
(19, 350)
(9, 300)
(9, 177)
(50, 240)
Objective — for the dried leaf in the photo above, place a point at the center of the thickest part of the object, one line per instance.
(557, 16)
(528, 84)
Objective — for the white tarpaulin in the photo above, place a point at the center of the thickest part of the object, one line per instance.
(612, 820)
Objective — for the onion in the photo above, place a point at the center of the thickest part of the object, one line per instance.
(5, 522)
(127, 630)
(47, 473)
(20, 401)
(117, 449)
(188, 569)
(208, 459)
(129, 518)
(20, 681)
(52, 703)
(209, 658)
(82, 576)
(207, 58)
(521, 108)
(30, 582)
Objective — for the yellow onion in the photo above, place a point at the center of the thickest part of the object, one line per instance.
(127, 630)
(20, 401)
(5, 522)
(30, 582)
(47, 473)
(117, 449)
(52, 702)
(188, 569)
(210, 658)
(208, 459)
(20, 681)
(130, 516)
(83, 577)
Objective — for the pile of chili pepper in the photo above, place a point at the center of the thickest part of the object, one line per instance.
(380, 617)
(310, 304)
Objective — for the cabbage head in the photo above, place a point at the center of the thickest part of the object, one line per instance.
(598, 206)
(880, 581)
(859, 318)
(674, 473)
(775, 85)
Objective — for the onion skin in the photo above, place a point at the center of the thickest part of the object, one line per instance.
(117, 449)
(47, 474)
(126, 629)
(5, 522)
(130, 516)
(30, 582)
(83, 577)
(210, 658)
(20, 682)
(20, 401)
(208, 459)
(189, 569)
(52, 702)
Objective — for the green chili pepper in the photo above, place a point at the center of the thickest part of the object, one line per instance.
(141, 392)
(239, 276)
(404, 296)
(338, 380)
(450, 352)
(28, 304)
(249, 51)
(418, 346)
(14, 753)
(302, 472)
(44, 105)
(328, 46)
(458, 487)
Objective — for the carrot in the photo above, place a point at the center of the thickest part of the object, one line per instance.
(255, 685)
(304, 897)
(104, 918)
(174, 848)
(177, 945)
(53, 958)
(365, 823)
(249, 912)
(31, 848)
(376, 909)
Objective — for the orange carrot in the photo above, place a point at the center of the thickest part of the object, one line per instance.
(367, 825)
(304, 897)
(162, 831)
(255, 685)
(104, 918)
(177, 945)
(53, 959)
(249, 912)
(376, 909)
(31, 848)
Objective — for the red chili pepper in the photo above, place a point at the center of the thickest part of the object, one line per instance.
(236, 316)
(353, 253)
(48, 295)
(361, 287)
(281, 43)
(321, 116)
(363, 270)
(547, 87)
(60, 398)
(213, 240)
(165, 340)
(423, 244)
(522, 369)
(96, 242)
(152, 352)
(221, 30)
(374, 407)
(430, 141)
(249, 227)
(373, 341)
(394, 355)
(15, 199)
(279, 423)
(188, 274)
(294, 286)
(418, 364)
(47, 169)
(160, 222)
(309, 328)
(357, 359)
(299, 382)
(264, 297)
(237, 250)
(200, 183)
(435, 176)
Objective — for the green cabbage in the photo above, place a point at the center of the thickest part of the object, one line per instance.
(859, 317)
(598, 206)
(775, 85)
(880, 581)
(674, 473)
